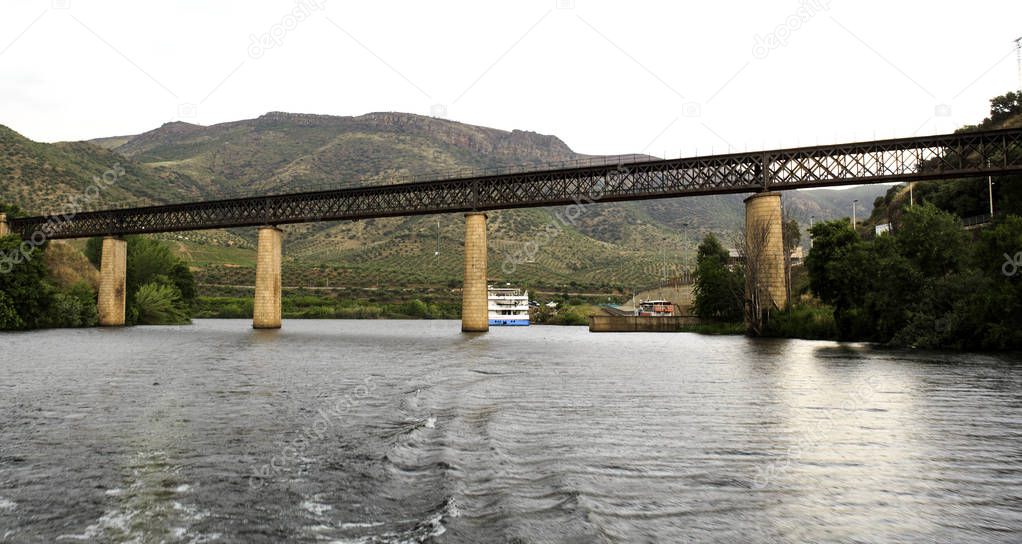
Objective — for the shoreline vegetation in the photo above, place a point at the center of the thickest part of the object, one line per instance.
(928, 284)
(572, 311)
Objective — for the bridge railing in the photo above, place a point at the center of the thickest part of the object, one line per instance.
(976, 220)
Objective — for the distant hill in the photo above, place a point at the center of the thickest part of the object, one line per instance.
(616, 245)
(43, 178)
(285, 151)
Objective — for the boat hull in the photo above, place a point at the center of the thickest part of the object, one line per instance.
(509, 322)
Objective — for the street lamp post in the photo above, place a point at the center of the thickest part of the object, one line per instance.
(437, 252)
(663, 277)
(990, 190)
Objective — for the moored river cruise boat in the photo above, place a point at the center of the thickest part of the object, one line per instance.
(508, 306)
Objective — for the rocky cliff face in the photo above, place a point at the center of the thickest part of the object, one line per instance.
(497, 144)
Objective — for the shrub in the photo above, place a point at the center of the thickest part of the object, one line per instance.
(160, 304)
(75, 307)
(9, 318)
(809, 322)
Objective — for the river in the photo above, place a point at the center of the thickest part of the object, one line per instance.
(409, 431)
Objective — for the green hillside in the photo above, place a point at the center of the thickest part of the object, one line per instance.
(44, 178)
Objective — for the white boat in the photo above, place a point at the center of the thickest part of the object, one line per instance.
(508, 306)
(655, 308)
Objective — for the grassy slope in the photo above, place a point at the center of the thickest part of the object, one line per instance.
(43, 178)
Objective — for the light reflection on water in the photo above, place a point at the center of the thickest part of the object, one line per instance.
(529, 435)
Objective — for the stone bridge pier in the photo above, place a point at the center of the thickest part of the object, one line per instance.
(113, 268)
(474, 312)
(764, 250)
(266, 306)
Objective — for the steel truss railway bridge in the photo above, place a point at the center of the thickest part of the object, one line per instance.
(764, 173)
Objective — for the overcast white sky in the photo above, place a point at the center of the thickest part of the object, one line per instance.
(607, 77)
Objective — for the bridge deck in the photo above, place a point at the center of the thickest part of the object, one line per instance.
(994, 152)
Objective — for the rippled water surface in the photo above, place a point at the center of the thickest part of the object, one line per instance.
(409, 431)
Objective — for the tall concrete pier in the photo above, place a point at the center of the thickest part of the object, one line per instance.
(113, 268)
(266, 308)
(765, 249)
(4, 230)
(474, 314)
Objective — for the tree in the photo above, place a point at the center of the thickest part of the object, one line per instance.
(718, 289)
(792, 233)
(753, 245)
(711, 247)
(1005, 106)
(94, 251)
(933, 240)
(184, 280)
(831, 241)
(27, 295)
(878, 285)
(995, 260)
(9, 318)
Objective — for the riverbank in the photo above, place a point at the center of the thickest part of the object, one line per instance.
(319, 307)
